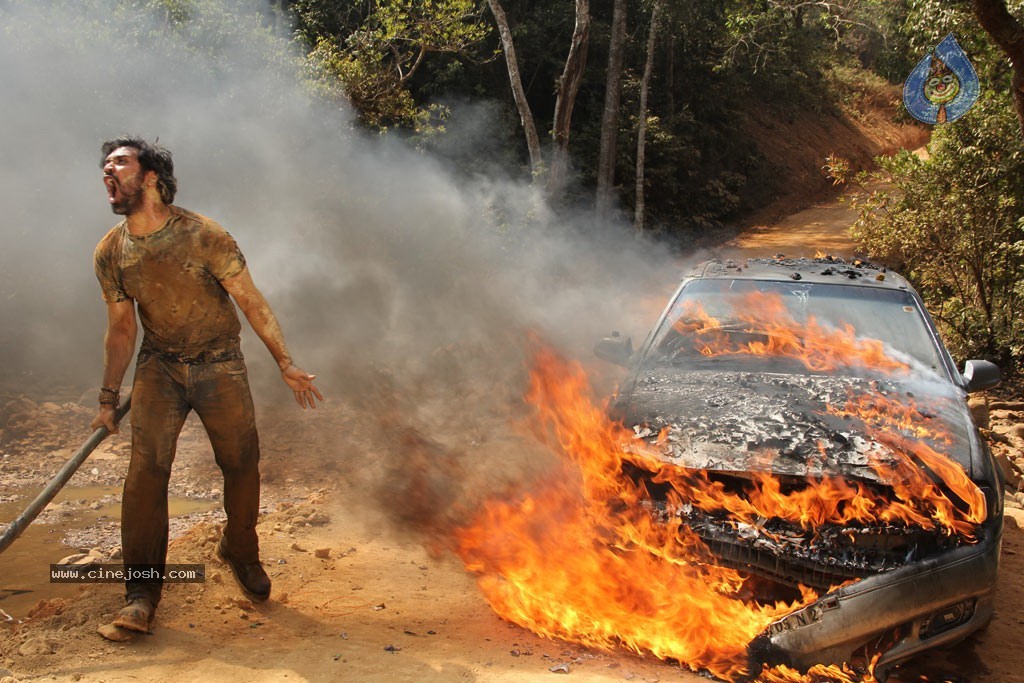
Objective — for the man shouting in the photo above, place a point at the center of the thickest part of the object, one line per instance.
(182, 270)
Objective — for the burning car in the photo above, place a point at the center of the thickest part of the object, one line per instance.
(810, 428)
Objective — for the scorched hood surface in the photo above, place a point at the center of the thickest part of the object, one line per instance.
(735, 421)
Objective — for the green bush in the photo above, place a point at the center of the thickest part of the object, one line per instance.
(952, 222)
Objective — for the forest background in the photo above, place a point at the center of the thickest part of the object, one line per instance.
(659, 104)
(650, 112)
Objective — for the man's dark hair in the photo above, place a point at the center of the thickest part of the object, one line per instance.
(152, 157)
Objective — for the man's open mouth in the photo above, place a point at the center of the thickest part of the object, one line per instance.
(112, 189)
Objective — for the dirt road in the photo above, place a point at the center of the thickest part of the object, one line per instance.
(351, 599)
(818, 228)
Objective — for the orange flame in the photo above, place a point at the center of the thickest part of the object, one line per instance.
(820, 673)
(581, 557)
(915, 471)
(902, 427)
(818, 347)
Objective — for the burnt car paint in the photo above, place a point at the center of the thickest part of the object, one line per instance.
(905, 591)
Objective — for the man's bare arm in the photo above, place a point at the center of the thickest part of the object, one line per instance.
(118, 346)
(264, 323)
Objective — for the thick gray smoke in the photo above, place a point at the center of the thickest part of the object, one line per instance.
(398, 281)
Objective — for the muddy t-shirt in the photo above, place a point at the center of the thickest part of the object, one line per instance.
(174, 274)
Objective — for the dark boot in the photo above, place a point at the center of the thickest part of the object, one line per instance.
(137, 615)
(250, 576)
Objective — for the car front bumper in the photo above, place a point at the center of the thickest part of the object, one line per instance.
(932, 602)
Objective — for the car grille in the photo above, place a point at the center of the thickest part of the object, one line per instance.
(820, 558)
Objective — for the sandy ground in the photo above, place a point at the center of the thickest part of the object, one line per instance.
(378, 610)
(802, 234)
(352, 600)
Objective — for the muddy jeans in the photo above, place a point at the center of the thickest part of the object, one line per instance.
(163, 393)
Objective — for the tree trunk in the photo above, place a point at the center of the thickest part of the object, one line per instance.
(610, 119)
(641, 134)
(568, 86)
(1008, 34)
(670, 77)
(518, 94)
(278, 9)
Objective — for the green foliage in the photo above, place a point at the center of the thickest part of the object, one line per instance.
(780, 36)
(420, 25)
(771, 37)
(953, 223)
(878, 37)
(360, 78)
(405, 65)
(730, 59)
(929, 21)
(314, 19)
(715, 62)
(371, 65)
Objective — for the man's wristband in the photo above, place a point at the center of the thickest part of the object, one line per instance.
(109, 397)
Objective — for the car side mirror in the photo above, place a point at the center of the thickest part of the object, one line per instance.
(615, 349)
(981, 375)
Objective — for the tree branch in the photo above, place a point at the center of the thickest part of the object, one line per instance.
(1008, 34)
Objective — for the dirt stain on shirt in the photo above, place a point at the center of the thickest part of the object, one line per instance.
(174, 275)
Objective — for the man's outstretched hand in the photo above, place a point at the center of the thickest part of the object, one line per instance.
(301, 382)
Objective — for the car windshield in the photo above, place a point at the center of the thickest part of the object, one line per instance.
(767, 325)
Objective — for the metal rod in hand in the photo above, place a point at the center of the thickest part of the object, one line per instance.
(60, 479)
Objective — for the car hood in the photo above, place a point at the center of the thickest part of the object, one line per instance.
(744, 422)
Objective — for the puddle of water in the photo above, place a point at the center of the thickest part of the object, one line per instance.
(25, 565)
